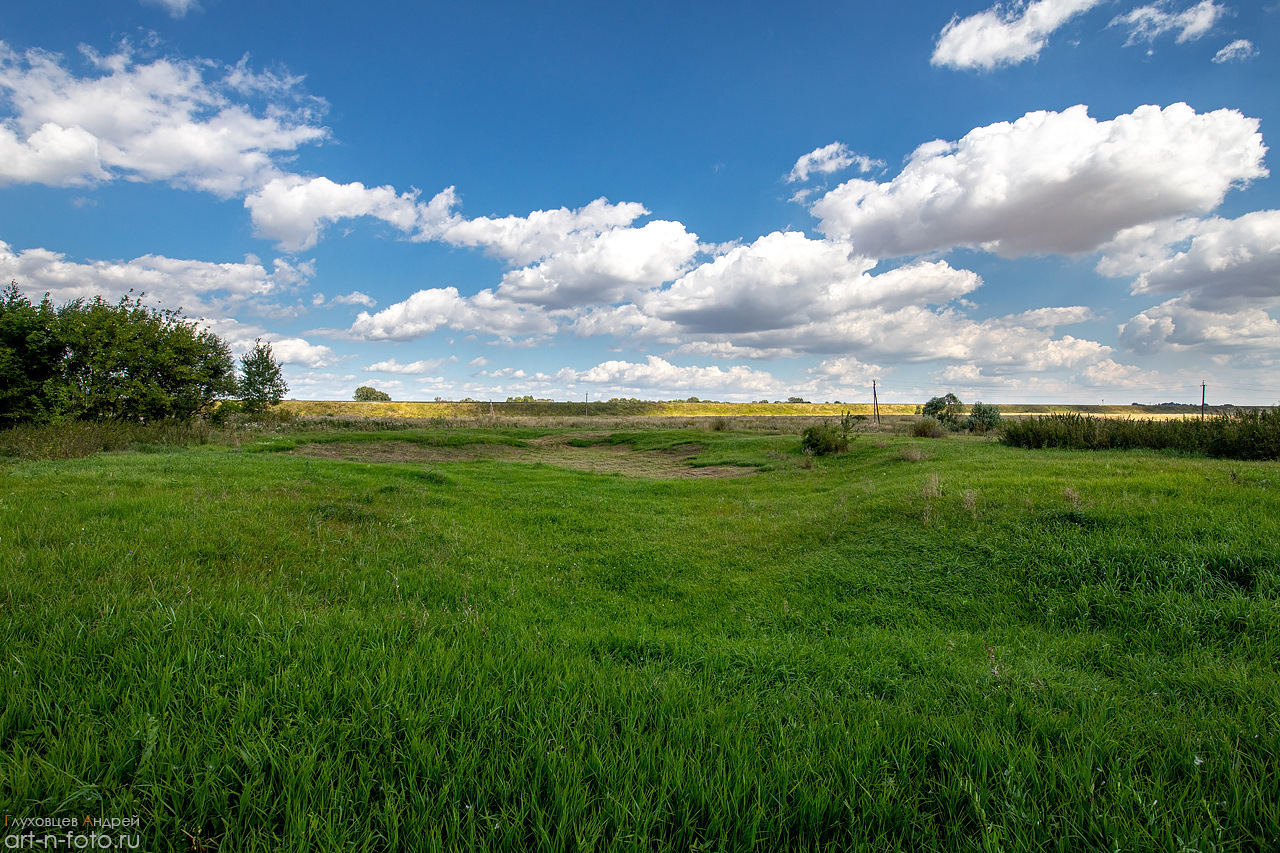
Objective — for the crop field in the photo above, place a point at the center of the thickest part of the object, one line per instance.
(609, 635)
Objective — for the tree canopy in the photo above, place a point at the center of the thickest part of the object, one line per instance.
(261, 379)
(92, 359)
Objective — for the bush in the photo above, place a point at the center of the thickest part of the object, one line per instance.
(367, 394)
(826, 440)
(945, 410)
(823, 440)
(94, 360)
(218, 417)
(982, 417)
(928, 428)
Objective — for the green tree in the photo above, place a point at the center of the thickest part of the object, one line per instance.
(261, 379)
(128, 361)
(367, 394)
(945, 410)
(30, 360)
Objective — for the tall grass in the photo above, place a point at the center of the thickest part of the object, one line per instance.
(76, 439)
(1245, 434)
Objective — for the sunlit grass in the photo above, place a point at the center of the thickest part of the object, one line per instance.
(921, 644)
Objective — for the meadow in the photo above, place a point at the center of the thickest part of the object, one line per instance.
(324, 633)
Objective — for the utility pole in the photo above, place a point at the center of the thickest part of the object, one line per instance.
(586, 406)
(875, 403)
(1202, 400)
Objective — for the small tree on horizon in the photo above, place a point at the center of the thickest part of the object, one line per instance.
(261, 379)
(369, 394)
(945, 410)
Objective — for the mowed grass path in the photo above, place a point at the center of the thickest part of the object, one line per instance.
(920, 645)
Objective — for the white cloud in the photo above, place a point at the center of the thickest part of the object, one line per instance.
(846, 372)
(301, 352)
(1222, 262)
(169, 120)
(1109, 373)
(659, 374)
(523, 240)
(785, 279)
(604, 268)
(828, 159)
(198, 287)
(355, 297)
(1147, 23)
(429, 310)
(1000, 36)
(1179, 325)
(726, 350)
(176, 8)
(1238, 51)
(1049, 182)
(414, 367)
(292, 210)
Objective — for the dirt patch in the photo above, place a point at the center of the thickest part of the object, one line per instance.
(667, 464)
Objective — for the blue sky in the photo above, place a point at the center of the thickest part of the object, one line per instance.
(1061, 200)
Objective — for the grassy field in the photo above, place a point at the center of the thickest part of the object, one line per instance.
(312, 636)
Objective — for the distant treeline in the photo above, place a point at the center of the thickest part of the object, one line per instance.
(1244, 434)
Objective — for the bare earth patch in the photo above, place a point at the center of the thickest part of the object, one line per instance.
(551, 450)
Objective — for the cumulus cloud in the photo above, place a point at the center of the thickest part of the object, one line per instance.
(785, 279)
(1218, 263)
(1049, 182)
(182, 122)
(845, 372)
(1238, 51)
(1147, 23)
(301, 352)
(429, 310)
(413, 367)
(293, 210)
(828, 159)
(1004, 36)
(1179, 325)
(604, 268)
(355, 297)
(659, 374)
(726, 350)
(198, 287)
(523, 240)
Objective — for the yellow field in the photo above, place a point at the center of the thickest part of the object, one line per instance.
(424, 410)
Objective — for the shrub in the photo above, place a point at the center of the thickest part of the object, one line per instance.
(928, 427)
(945, 410)
(366, 394)
(218, 417)
(823, 440)
(97, 360)
(982, 417)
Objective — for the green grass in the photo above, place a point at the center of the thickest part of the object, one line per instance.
(987, 648)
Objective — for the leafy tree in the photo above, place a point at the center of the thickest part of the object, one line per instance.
(367, 394)
(261, 379)
(982, 417)
(945, 410)
(128, 361)
(30, 360)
